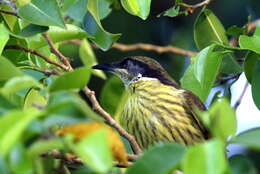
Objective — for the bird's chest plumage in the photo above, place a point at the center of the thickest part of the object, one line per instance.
(155, 112)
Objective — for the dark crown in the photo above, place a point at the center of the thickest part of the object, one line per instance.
(147, 67)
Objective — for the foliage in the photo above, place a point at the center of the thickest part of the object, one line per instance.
(37, 96)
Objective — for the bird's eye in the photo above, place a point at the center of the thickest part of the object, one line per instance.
(139, 76)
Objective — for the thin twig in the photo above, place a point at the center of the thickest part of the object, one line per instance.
(201, 4)
(146, 47)
(190, 8)
(241, 96)
(110, 121)
(9, 13)
(49, 60)
(55, 51)
(72, 159)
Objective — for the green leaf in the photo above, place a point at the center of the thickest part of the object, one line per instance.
(41, 146)
(7, 69)
(172, 12)
(32, 98)
(111, 94)
(17, 83)
(256, 84)
(240, 165)
(4, 37)
(95, 152)
(93, 26)
(10, 20)
(61, 102)
(250, 62)
(13, 125)
(137, 7)
(32, 30)
(58, 34)
(198, 158)
(208, 29)
(223, 119)
(251, 43)
(105, 8)
(42, 12)
(190, 82)
(236, 31)
(78, 10)
(71, 80)
(19, 160)
(205, 69)
(230, 65)
(248, 138)
(5, 105)
(88, 58)
(160, 159)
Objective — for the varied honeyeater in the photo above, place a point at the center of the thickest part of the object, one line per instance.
(157, 109)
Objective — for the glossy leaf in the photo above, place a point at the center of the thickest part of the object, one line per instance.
(4, 37)
(111, 94)
(17, 83)
(248, 138)
(230, 65)
(223, 119)
(172, 12)
(32, 30)
(256, 84)
(88, 58)
(13, 124)
(92, 25)
(160, 159)
(239, 164)
(58, 34)
(42, 12)
(197, 159)
(7, 69)
(140, 8)
(105, 8)
(204, 69)
(71, 80)
(78, 10)
(95, 152)
(250, 42)
(250, 62)
(33, 98)
(208, 29)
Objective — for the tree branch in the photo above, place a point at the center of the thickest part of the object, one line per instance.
(190, 8)
(110, 121)
(9, 13)
(145, 47)
(18, 47)
(72, 159)
(55, 51)
(241, 96)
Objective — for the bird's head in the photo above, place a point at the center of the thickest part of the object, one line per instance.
(132, 69)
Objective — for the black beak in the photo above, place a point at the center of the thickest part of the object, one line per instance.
(105, 67)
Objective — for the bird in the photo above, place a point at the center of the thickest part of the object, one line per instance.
(157, 109)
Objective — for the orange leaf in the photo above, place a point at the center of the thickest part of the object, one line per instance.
(81, 130)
